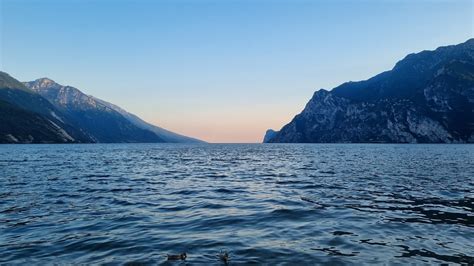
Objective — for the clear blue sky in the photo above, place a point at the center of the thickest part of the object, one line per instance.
(220, 70)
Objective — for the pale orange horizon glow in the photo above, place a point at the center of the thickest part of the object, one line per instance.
(228, 126)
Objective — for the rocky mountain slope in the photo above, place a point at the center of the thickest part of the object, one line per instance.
(427, 97)
(103, 121)
(26, 117)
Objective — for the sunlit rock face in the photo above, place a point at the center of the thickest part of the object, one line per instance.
(427, 97)
(65, 96)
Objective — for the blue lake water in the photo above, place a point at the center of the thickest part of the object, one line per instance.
(264, 204)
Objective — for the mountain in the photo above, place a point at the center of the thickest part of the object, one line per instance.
(103, 121)
(427, 97)
(164, 134)
(26, 117)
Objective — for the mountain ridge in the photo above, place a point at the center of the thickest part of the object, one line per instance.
(87, 109)
(168, 136)
(427, 97)
(29, 118)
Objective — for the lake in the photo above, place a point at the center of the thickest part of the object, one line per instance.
(262, 203)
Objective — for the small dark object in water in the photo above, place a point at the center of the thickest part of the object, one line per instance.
(312, 201)
(181, 256)
(224, 256)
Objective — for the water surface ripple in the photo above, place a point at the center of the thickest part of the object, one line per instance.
(265, 204)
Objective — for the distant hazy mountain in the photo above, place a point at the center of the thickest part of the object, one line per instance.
(427, 97)
(103, 121)
(164, 134)
(26, 117)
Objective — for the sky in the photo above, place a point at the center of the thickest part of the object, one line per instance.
(219, 70)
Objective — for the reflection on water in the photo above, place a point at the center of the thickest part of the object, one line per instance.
(136, 203)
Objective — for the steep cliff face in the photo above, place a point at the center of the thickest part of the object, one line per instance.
(269, 135)
(426, 98)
